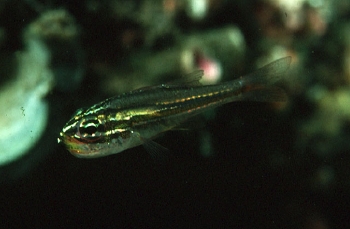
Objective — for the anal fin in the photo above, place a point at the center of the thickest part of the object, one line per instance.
(157, 152)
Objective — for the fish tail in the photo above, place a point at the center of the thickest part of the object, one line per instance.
(268, 74)
(258, 86)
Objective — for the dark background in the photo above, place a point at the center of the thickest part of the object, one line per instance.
(261, 175)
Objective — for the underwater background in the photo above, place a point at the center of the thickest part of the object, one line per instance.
(242, 165)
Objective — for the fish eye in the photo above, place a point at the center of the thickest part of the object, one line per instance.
(90, 128)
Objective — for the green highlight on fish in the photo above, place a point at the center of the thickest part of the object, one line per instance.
(135, 118)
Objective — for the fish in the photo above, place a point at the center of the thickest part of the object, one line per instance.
(139, 116)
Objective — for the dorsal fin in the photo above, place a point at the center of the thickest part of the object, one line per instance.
(188, 80)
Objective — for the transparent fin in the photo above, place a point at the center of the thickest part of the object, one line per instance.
(159, 153)
(179, 128)
(191, 79)
(269, 74)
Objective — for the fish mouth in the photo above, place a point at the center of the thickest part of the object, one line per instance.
(63, 138)
(60, 138)
(67, 140)
(74, 146)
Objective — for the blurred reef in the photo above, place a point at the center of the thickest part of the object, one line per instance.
(58, 56)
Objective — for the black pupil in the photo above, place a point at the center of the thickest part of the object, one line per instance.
(90, 130)
(90, 127)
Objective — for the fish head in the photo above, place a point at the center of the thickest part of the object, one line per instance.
(84, 134)
(96, 132)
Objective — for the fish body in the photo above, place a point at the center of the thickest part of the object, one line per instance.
(136, 117)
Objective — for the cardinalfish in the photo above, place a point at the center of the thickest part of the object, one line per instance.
(136, 117)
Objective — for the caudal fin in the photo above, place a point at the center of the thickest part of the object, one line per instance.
(268, 74)
(258, 86)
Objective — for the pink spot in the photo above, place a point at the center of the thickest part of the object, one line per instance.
(212, 68)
